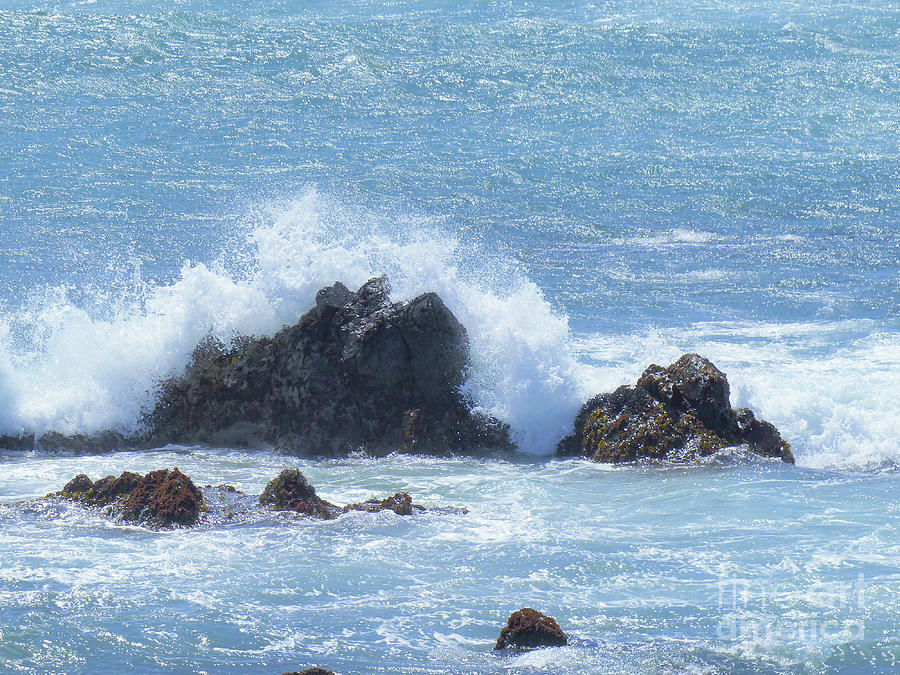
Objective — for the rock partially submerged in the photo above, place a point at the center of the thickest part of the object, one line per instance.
(400, 503)
(680, 412)
(168, 498)
(528, 629)
(290, 491)
(356, 372)
(310, 671)
(163, 499)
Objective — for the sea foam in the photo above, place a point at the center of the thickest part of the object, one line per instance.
(829, 387)
(68, 369)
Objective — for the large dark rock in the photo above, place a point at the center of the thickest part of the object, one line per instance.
(357, 372)
(311, 671)
(163, 499)
(679, 412)
(527, 629)
(290, 491)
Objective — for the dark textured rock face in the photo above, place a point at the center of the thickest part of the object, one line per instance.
(164, 498)
(311, 671)
(691, 383)
(290, 491)
(679, 412)
(528, 629)
(356, 372)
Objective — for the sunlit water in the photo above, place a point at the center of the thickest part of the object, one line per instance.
(730, 567)
(590, 188)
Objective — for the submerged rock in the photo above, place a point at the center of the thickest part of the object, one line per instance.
(400, 503)
(356, 372)
(290, 491)
(528, 629)
(679, 412)
(164, 498)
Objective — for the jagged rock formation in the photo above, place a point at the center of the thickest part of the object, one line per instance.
(311, 671)
(679, 412)
(527, 629)
(356, 372)
(162, 499)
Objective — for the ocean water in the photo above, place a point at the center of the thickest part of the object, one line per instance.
(591, 187)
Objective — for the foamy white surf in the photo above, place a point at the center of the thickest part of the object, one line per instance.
(77, 372)
(828, 386)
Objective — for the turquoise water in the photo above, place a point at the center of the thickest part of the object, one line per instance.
(716, 569)
(591, 187)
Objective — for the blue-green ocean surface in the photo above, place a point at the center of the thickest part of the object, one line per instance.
(591, 187)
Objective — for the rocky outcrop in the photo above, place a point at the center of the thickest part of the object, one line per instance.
(529, 629)
(311, 671)
(681, 412)
(290, 491)
(356, 372)
(161, 499)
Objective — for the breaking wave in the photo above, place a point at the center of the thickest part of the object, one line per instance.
(830, 387)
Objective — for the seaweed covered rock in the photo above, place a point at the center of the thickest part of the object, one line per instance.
(528, 629)
(109, 491)
(679, 412)
(290, 491)
(356, 372)
(164, 498)
(80, 484)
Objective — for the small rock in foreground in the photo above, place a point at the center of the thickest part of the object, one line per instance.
(311, 671)
(529, 629)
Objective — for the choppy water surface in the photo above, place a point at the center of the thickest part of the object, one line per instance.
(731, 567)
(591, 187)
